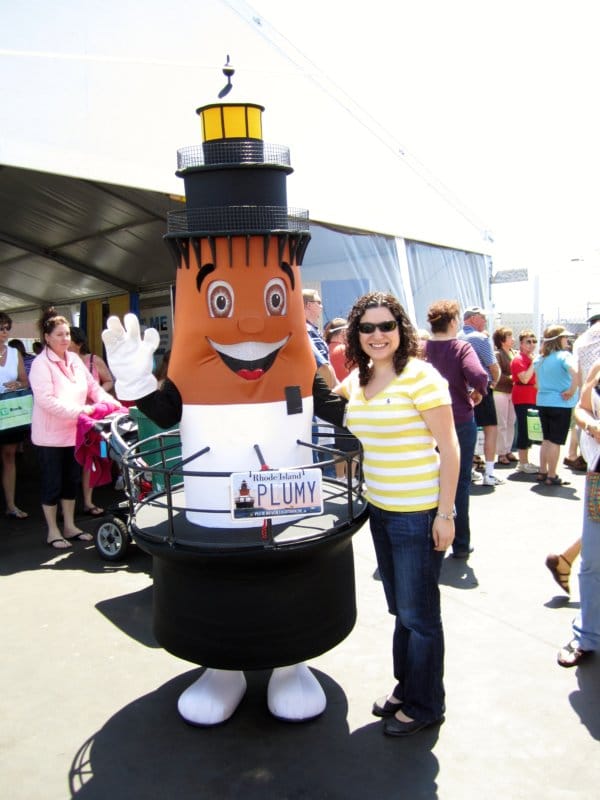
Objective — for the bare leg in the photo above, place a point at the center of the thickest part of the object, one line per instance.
(573, 443)
(573, 551)
(54, 535)
(71, 530)
(544, 457)
(87, 491)
(560, 565)
(490, 436)
(552, 453)
(9, 474)
(523, 456)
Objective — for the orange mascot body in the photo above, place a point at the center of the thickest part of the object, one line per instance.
(240, 341)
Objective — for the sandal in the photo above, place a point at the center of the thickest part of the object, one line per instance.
(556, 481)
(93, 511)
(571, 654)
(59, 543)
(541, 477)
(382, 707)
(16, 513)
(562, 578)
(504, 460)
(80, 537)
(512, 457)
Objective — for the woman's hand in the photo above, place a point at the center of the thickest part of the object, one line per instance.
(443, 533)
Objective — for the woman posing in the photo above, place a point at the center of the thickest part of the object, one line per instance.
(456, 360)
(62, 389)
(399, 409)
(557, 380)
(505, 410)
(12, 377)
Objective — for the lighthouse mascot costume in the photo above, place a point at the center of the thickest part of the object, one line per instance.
(241, 374)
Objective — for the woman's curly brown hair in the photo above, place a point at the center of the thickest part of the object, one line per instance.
(355, 355)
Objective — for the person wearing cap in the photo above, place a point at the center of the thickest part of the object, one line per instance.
(313, 306)
(485, 412)
(558, 381)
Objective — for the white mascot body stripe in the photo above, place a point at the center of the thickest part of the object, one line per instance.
(230, 432)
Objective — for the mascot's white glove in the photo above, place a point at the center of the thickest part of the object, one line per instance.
(130, 357)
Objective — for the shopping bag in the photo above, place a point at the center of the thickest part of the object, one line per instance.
(534, 426)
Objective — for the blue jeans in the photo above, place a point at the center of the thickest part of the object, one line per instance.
(586, 627)
(410, 569)
(467, 438)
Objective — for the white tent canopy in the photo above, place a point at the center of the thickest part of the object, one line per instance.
(107, 93)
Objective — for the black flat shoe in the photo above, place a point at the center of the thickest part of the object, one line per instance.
(383, 708)
(464, 554)
(395, 727)
(571, 654)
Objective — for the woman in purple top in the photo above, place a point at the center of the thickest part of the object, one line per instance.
(467, 380)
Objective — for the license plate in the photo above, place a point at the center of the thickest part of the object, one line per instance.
(276, 493)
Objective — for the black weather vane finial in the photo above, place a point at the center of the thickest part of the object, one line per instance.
(228, 71)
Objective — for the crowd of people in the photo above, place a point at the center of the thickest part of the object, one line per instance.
(415, 402)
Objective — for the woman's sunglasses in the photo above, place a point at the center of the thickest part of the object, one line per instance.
(530, 341)
(385, 327)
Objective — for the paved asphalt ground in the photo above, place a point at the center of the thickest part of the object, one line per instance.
(88, 704)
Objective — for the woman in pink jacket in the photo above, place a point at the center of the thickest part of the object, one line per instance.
(62, 390)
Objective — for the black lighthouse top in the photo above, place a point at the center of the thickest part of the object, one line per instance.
(235, 183)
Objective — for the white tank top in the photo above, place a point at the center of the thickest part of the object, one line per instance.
(10, 370)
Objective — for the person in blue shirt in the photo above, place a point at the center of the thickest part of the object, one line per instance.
(558, 381)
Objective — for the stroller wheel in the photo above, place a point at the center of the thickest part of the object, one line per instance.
(111, 539)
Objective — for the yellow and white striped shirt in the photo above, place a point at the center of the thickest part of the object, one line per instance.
(401, 465)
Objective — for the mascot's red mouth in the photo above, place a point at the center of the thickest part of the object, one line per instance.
(250, 374)
(249, 360)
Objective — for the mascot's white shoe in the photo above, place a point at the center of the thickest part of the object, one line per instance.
(213, 697)
(295, 694)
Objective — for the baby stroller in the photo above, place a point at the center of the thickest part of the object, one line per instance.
(119, 432)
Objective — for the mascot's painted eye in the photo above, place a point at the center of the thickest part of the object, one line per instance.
(276, 297)
(219, 296)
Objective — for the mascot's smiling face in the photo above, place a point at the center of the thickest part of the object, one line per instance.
(240, 334)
